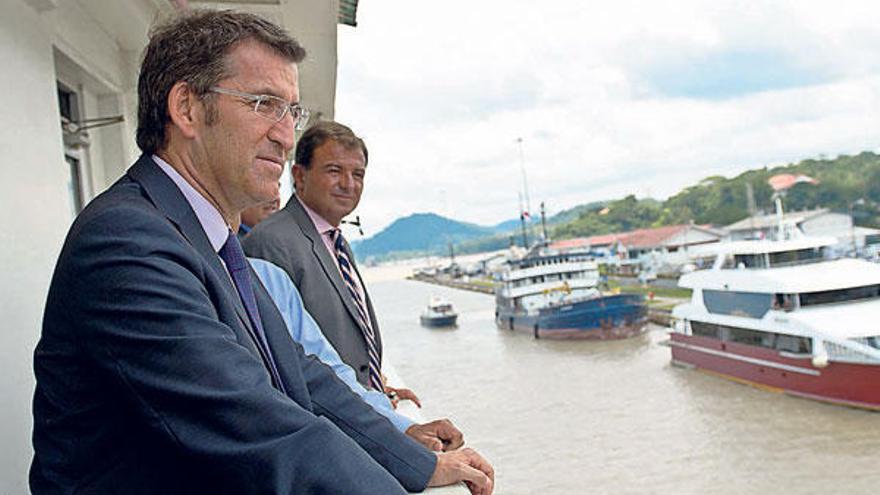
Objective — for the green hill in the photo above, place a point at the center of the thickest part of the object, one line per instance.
(845, 183)
(418, 235)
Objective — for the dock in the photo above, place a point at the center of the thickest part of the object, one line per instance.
(484, 286)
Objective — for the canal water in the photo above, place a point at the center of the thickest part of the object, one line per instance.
(614, 417)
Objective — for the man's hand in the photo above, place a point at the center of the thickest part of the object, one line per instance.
(464, 465)
(398, 394)
(438, 435)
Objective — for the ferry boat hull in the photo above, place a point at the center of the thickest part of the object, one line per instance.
(600, 318)
(850, 384)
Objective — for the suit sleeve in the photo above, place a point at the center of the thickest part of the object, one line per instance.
(150, 325)
(306, 332)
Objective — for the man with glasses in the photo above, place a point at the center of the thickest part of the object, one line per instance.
(163, 366)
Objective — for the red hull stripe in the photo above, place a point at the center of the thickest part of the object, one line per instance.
(747, 359)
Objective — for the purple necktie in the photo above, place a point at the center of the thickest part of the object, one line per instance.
(237, 265)
(366, 327)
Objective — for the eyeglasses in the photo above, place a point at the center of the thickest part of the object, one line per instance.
(271, 107)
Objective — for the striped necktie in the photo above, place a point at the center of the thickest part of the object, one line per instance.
(363, 317)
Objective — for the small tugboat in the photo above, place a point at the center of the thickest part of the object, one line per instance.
(439, 313)
(556, 296)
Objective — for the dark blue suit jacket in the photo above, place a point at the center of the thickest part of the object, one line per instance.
(149, 382)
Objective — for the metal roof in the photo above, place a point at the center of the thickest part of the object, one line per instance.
(770, 220)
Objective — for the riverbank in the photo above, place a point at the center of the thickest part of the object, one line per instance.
(485, 286)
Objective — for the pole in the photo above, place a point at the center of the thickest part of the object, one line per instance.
(522, 221)
(543, 222)
(779, 216)
(852, 228)
(522, 167)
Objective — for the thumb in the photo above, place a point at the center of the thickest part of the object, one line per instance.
(435, 444)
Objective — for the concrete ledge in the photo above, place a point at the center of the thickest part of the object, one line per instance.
(412, 412)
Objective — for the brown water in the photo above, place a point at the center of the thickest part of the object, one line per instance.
(616, 417)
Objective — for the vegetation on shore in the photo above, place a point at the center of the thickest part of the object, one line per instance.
(846, 183)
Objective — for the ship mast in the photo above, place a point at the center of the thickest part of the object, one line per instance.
(543, 223)
(522, 221)
(524, 211)
(522, 167)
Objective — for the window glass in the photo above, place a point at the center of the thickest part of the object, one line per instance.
(748, 304)
(704, 329)
(768, 340)
(834, 296)
(793, 343)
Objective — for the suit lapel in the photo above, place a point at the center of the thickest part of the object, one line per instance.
(168, 199)
(328, 263)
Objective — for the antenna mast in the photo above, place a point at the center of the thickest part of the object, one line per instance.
(522, 167)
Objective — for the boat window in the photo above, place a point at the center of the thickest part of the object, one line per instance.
(873, 341)
(704, 329)
(840, 295)
(750, 260)
(795, 257)
(749, 304)
(784, 302)
(793, 343)
(751, 337)
(733, 334)
(728, 262)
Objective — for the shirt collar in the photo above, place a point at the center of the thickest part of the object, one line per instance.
(321, 225)
(212, 222)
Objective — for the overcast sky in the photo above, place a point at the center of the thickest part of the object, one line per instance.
(609, 98)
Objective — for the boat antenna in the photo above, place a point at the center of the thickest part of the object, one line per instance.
(522, 221)
(522, 167)
(777, 197)
(544, 223)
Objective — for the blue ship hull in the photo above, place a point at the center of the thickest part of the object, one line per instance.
(604, 317)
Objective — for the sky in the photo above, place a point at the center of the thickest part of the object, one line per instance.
(608, 98)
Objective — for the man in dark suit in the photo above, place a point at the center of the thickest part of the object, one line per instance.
(163, 365)
(304, 239)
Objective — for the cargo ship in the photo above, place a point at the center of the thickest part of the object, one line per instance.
(556, 296)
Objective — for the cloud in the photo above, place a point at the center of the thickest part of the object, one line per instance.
(610, 98)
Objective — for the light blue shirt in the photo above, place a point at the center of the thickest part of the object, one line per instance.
(305, 330)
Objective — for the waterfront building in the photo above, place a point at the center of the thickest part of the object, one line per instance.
(69, 99)
(662, 249)
(820, 222)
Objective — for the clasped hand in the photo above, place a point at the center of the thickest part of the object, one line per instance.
(453, 465)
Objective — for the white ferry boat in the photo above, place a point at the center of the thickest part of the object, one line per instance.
(782, 316)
